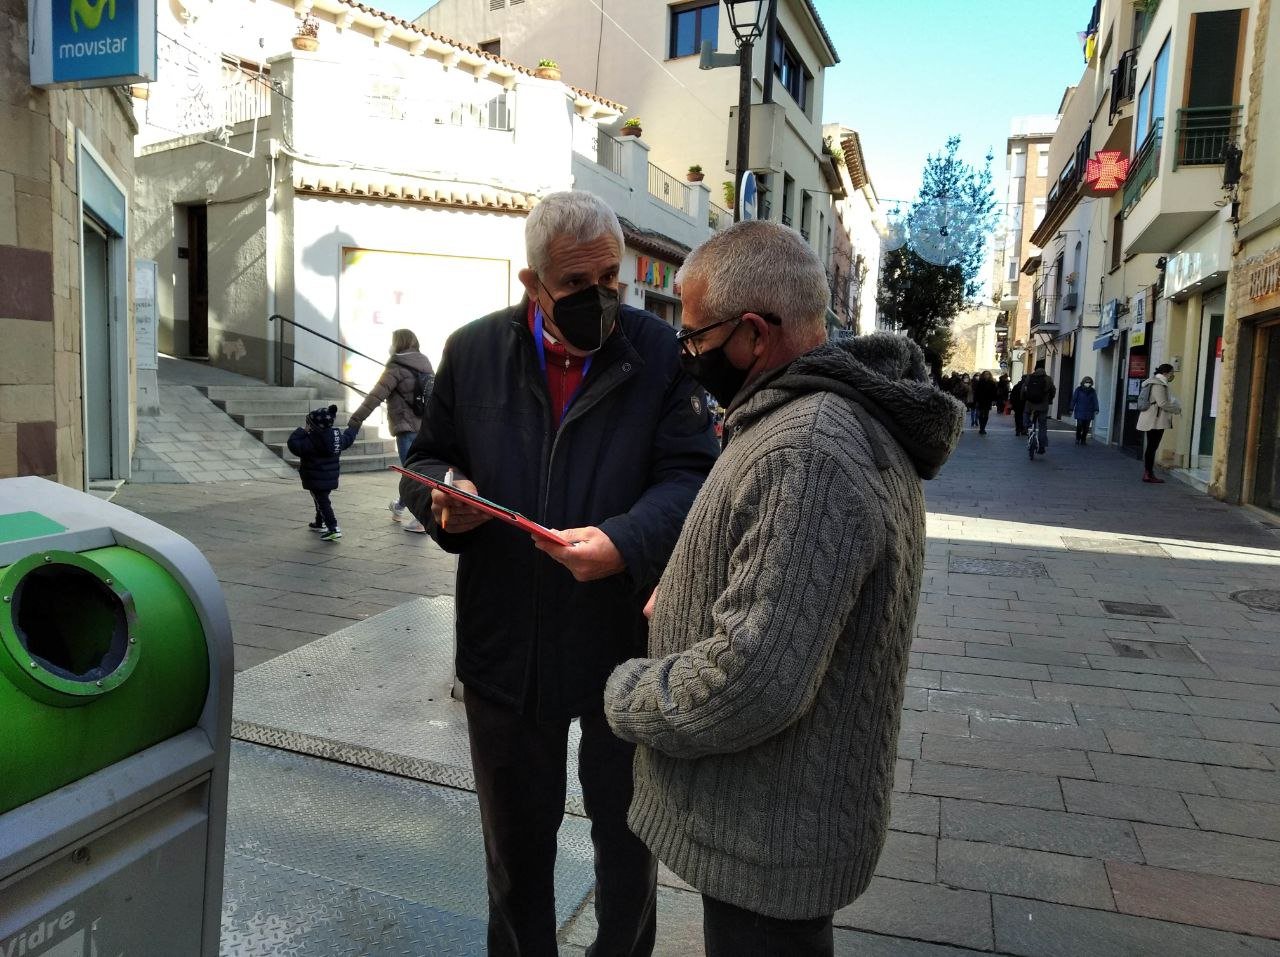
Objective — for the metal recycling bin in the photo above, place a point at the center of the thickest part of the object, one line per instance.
(115, 724)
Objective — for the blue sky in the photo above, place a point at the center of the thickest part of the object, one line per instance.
(913, 72)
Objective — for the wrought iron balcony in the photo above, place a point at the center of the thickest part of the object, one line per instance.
(664, 186)
(1146, 165)
(1124, 81)
(1204, 132)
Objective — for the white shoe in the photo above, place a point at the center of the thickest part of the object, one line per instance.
(397, 511)
(413, 525)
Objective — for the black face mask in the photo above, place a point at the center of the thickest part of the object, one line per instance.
(714, 372)
(586, 318)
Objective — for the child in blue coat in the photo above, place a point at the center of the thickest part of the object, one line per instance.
(319, 446)
(1084, 406)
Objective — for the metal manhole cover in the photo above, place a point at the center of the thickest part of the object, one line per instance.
(994, 566)
(1259, 599)
(1164, 650)
(1135, 609)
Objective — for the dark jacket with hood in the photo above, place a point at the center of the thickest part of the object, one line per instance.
(767, 711)
(319, 447)
(1084, 403)
(984, 392)
(395, 387)
(629, 457)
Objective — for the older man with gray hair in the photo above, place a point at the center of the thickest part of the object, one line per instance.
(767, 709)
(573, 410)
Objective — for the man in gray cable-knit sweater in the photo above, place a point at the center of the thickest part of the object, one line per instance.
(767, 715)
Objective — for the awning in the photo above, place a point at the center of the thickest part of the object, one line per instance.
(1104, 341)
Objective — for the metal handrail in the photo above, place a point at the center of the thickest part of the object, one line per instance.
(1204, 132)
(1146, 165)
(298, 362)
(608, 152)
(664, 186)
(1124, 80)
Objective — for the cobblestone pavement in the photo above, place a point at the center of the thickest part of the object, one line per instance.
(1074, 777)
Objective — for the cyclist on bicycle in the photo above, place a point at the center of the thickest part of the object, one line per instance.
(1038, 393)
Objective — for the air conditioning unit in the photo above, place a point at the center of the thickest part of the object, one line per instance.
(1070, 302)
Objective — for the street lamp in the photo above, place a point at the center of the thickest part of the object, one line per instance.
(747, 19)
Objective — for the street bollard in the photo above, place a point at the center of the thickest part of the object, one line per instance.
(115, 719)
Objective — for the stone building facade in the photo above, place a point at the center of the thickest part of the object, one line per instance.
(48, 138)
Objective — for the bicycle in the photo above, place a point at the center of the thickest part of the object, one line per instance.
(1034, 441)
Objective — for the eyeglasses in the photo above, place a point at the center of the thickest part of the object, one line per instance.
(686, 336)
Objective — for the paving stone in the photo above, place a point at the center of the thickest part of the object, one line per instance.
(1244, 907)
(1038, 734)
(909, 744)
(1059, 831)
(923, 679)
(1247, 784)
(987, 784)
(1195, 750)
(1124, 718)
(1151, 772)
(1233, 689)
(1025, 873)
(1209, 707)
(1000, 706)
(1247, 818)
(921, 911)
(1227, 855)
(1009, 755)
(1114, 679)
(909, 857)
(1042, 929)
(985, 684)
(1151, 666)
(856, 943)
(1252, 732)
(1126, 803)
(679, 924)
(986, 666)
(1039, 656)
(936, 722)
(1079, 694)
(914, 813)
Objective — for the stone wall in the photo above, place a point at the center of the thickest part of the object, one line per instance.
(41, 430)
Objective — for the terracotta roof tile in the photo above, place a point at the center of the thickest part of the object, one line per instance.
(358, 185)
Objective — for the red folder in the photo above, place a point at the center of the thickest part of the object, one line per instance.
(489, 508)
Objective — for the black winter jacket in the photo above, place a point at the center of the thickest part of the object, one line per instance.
(320, 453)
(629, 457)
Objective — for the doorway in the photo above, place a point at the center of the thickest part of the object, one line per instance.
(198, 282)
(1266, 476)
(98, 349)
(1210, 382)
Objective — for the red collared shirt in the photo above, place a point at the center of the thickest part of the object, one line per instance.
(564, 371)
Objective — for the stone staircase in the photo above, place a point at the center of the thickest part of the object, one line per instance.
(270, 413)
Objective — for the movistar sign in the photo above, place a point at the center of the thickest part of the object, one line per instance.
(92, 42)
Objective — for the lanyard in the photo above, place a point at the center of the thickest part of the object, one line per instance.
(542, 355)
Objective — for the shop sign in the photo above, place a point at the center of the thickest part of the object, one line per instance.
(1137, 367)
(144, 311)
(1106, 172)
(654, 274)
(1138, 337)
(86, 43)
(1110, 316)
(1263, 279)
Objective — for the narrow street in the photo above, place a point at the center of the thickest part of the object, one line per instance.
(1075, 776)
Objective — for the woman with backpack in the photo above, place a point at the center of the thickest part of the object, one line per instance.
(1156, 409)
(404, 385)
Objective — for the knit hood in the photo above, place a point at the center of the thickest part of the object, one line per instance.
(886, 376)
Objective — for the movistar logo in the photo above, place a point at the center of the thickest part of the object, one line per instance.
(85, 12)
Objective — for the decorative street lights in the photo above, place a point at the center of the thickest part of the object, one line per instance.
(747, 18)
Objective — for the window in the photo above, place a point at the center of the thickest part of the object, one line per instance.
(690, 25)
(788, 188)
(765, 202)
(1117, 240)
(492, 46)
(1214, 60)
(1042, 161)
(1039, 217)
(790, 71)
(1152, 96)
(806, 212)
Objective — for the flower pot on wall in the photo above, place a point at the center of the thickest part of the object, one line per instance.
(694, 177)
(547, 72)
(631, 131)
(307, 44)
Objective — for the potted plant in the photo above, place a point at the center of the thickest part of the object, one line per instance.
(695, 174)
(632, 127)
(730, 194)
(308, 36)
(548, 70)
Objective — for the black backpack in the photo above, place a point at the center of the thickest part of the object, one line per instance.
(423, 382)
(1034, 393)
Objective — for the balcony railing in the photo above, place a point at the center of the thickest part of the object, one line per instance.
(718, 217)
(1204, 132)
(608, 152)
(667, 188)
(1146, 165)
(1124, 80)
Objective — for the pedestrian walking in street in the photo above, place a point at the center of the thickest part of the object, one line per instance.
(319, 445)
(767, 710)
(1038, 392)
(405, 385)
(573, 410)
(1002, 395)
(967, 384)
(1017, 399)
(984, 395)
(1084, 407)
(1156, 409)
